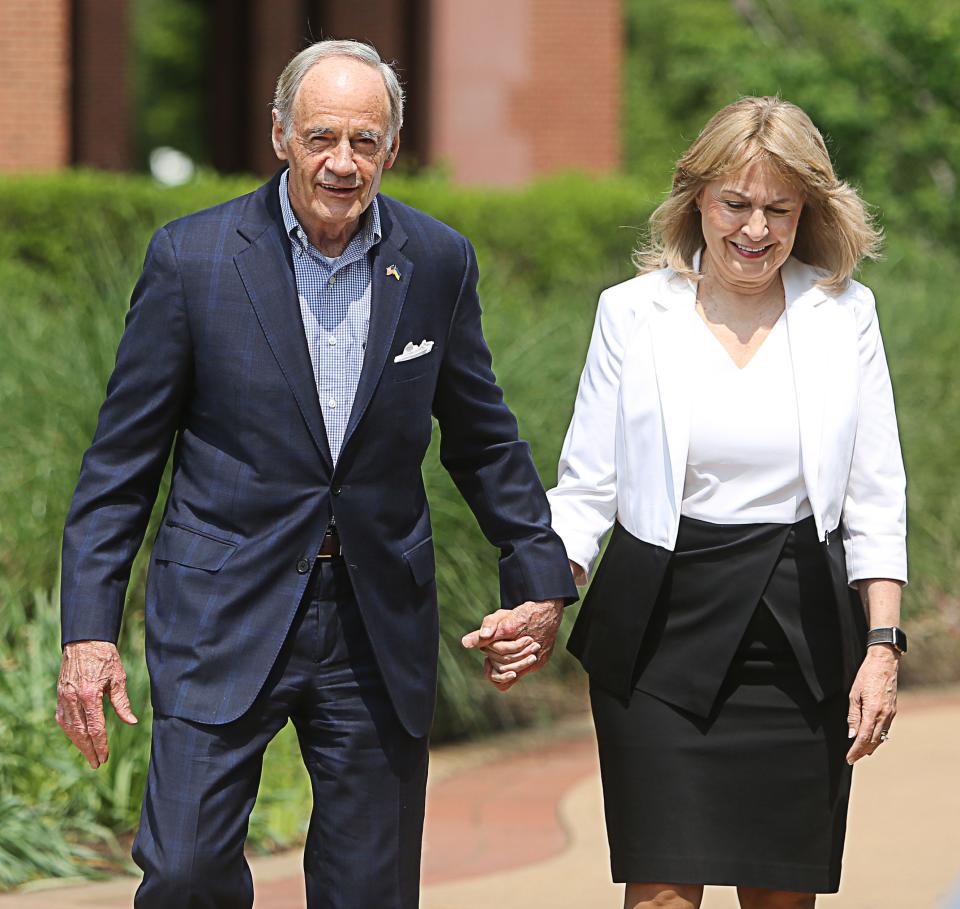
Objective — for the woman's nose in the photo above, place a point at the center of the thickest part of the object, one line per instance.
(756, 226)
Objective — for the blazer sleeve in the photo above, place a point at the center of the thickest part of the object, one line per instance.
(121, 471)
(490, 465)
(875, 506)
(584, 501)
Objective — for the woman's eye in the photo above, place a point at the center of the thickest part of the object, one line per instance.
(737, 206)
(779, 211)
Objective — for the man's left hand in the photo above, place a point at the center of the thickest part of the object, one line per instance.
(516, 641)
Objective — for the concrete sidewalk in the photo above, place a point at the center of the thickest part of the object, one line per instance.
(519, 819)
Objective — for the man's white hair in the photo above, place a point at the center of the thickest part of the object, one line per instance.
(294, 72)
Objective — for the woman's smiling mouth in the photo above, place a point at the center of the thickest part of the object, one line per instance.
(750, 252)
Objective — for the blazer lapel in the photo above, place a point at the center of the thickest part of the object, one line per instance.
(392, 273)
(670, 329)
(808, 337)
(266, 274)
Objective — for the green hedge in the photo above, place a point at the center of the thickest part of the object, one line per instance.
(70, 249)
(549, 236)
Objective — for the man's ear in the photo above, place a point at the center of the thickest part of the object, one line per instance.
(276, 136)
(394, 151)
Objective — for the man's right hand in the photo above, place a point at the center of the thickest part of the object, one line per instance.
(89, 670)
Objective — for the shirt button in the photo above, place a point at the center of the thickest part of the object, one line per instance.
(303, 566)
(332, 281)
(331, 403)
(332, 341)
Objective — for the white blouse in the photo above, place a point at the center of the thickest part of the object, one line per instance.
(743, 463)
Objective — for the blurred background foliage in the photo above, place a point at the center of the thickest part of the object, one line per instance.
(169, 41)
(881, 80)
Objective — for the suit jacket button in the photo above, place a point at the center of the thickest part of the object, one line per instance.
(303, 566)
(337, 490)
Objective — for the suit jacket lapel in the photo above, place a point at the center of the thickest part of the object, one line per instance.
(670, 330)
(266, 274)
(387, 295)
(808, 338)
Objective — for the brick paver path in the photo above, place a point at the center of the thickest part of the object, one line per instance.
(522, 825)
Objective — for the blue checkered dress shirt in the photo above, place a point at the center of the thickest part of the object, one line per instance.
(335, 307)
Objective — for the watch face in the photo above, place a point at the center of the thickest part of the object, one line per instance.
(900, 640)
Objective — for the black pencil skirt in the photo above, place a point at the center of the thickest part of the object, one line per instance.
(753, 794)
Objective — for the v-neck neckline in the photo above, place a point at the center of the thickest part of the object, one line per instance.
(726, 353)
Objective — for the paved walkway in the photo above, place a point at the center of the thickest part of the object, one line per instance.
(518, 820)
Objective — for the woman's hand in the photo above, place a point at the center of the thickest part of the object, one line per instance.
(579, 574)
(873, 700)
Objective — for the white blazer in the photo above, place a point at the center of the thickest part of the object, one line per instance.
(625, 453)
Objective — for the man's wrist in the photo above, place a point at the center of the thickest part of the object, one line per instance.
(554, 603)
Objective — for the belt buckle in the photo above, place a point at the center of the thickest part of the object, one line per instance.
(329, 555)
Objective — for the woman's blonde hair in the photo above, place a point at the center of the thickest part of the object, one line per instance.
(835, 232)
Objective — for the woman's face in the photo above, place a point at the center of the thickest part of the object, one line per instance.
(749, 223)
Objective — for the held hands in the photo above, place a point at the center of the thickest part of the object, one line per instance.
(516, 641)
(89, 670)
(873, 701)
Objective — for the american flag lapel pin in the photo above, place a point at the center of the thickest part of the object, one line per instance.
(392, 270)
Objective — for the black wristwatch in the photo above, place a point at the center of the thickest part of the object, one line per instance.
(893, 635)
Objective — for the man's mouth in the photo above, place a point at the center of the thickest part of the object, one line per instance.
(751, 252)
(335, 190)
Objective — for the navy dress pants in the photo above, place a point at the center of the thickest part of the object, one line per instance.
(368, 776)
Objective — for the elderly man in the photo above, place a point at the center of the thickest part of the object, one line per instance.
(292, 346)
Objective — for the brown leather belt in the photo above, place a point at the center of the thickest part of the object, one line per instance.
(330, 547)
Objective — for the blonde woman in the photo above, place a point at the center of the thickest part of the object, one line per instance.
(735, 424)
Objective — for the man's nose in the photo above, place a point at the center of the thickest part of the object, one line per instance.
(341, 161)
(756, 226)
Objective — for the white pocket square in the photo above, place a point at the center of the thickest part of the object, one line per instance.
(412, 351)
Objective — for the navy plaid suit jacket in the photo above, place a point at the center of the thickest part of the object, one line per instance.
(214, 362)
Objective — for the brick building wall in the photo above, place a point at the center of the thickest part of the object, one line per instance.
(521, 88)
(34, 84)
(573, 95)
(500, 91)
(101, 126)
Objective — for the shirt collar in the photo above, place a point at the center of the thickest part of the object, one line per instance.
(364, 240)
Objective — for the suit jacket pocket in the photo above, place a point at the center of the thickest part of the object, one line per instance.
(411, 371)
(420, 560)
(192, 548)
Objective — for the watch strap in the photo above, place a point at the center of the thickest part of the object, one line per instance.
(892, 635)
